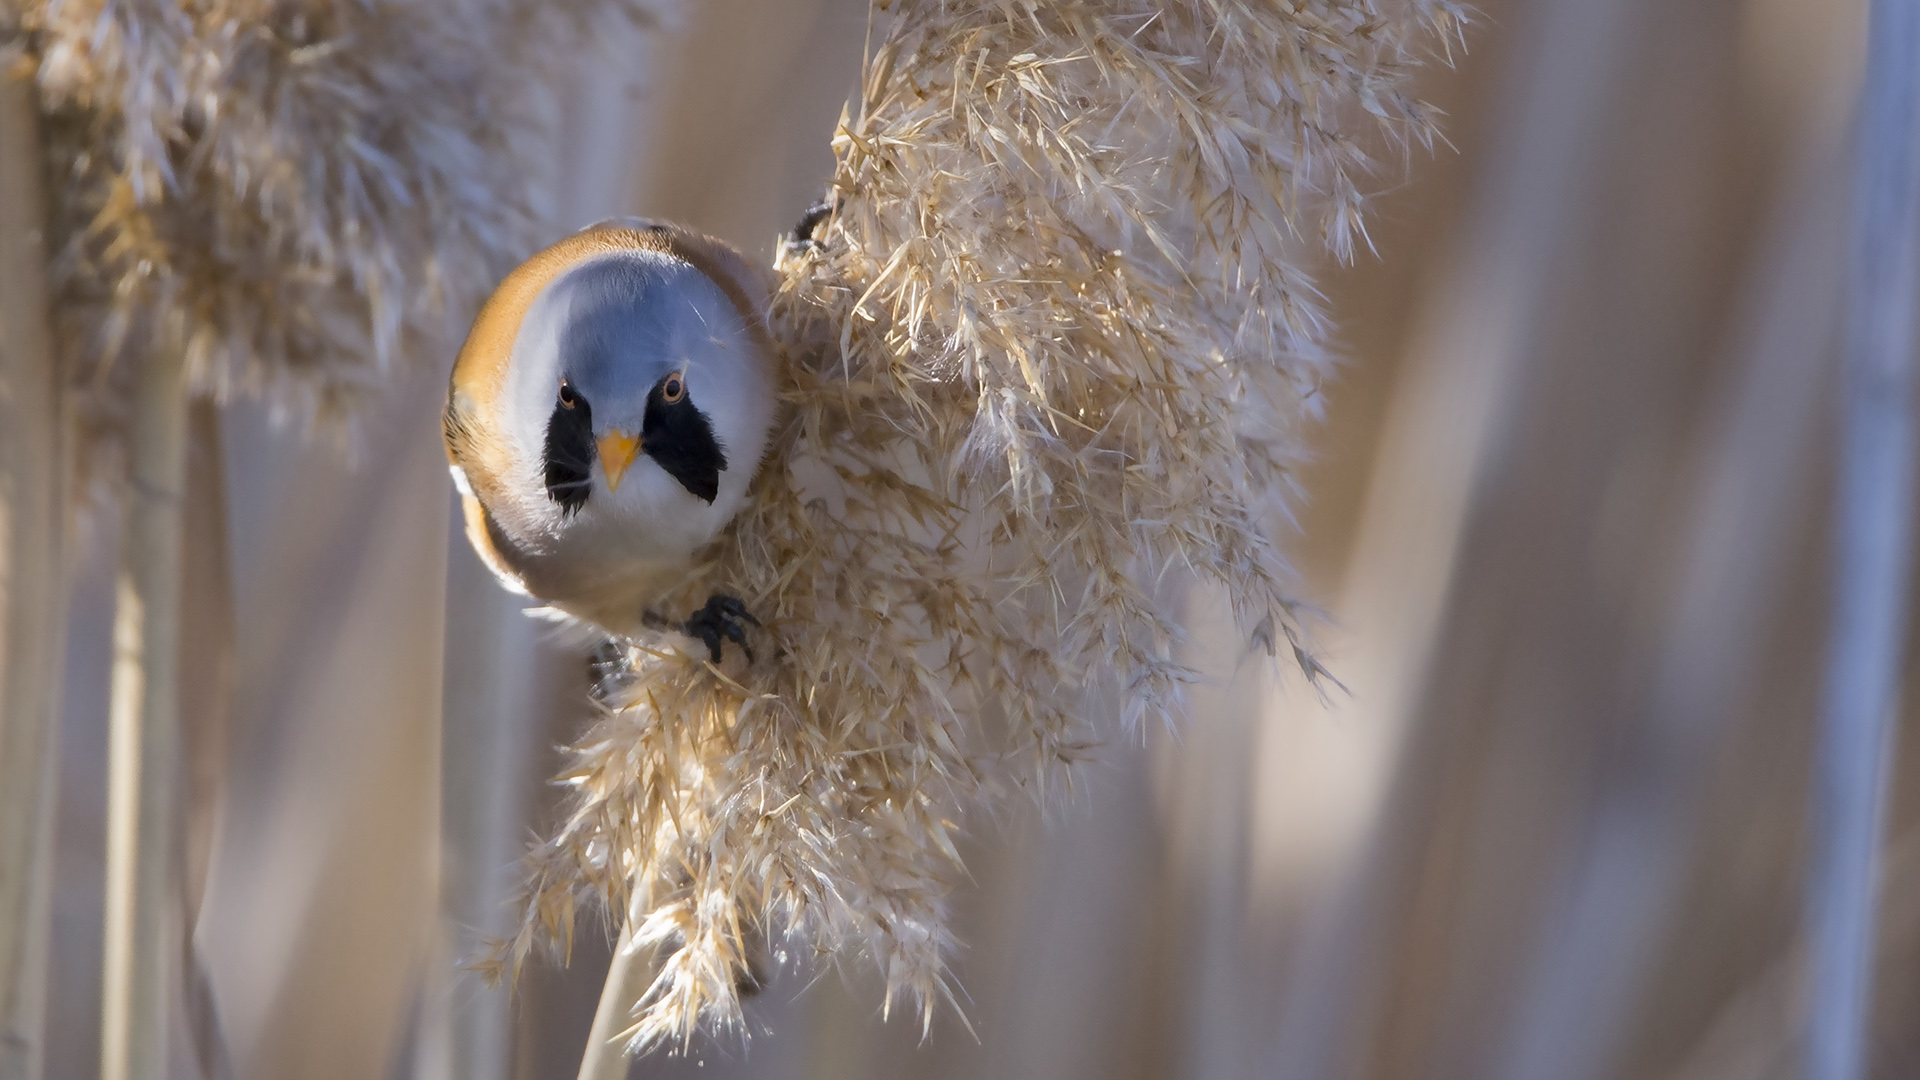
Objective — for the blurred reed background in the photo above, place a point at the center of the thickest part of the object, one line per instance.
(1570, 525)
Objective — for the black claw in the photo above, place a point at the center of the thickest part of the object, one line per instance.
(605, 656)
(817, 213)
(718, 622)
(802, 238)
(731, 607)
(607, 666)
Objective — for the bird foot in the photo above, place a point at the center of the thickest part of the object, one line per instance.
(720, 621)
(802, 238)
(608, 666)
(817, 213)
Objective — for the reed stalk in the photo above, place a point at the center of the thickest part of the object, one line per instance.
(1873, 556)
(606, 1056)
(143, 747)
(32, 600)
(494, 672)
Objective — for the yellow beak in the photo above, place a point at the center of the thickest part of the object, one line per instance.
(617, 450)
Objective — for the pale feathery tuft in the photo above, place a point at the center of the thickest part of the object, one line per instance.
(286, 191)
(1058, 345)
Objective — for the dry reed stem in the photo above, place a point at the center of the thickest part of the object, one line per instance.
(1873, 548)
(32, 578)
(1057, 344)
(144, 739)
(605, 1057)
(267, 197)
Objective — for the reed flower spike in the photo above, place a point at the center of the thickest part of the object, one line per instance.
(1055, 343)
(281, 192)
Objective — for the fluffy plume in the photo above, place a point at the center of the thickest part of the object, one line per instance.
(1056, 344)
(284, 190)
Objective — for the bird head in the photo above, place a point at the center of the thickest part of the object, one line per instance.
(625, 386)
(622, 364)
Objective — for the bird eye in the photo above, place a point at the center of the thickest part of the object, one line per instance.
(673, 389)
(567, 397)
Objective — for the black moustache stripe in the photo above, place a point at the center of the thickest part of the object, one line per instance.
(680, 438)
(570, 454)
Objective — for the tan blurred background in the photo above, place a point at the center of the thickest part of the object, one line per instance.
(1568, 524)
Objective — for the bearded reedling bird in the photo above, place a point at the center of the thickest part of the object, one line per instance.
(604, 418)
